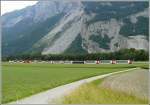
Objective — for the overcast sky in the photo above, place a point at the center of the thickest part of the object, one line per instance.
(8, 6)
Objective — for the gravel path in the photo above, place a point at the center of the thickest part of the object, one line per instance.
(48, 96)
(133, 82)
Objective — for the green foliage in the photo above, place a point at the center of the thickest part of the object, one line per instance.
(102, 41)
(22, 36)
(122, 54)
(76, 47)
(116, 10)
(116, 44)
(141, 27)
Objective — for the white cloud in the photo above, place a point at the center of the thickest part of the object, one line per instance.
(8, 6)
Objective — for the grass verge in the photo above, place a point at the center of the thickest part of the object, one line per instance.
(91, 94)
(95, 93)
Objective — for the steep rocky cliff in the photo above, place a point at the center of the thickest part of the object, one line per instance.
(54, 27)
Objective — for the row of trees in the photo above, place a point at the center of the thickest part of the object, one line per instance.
(123, 54)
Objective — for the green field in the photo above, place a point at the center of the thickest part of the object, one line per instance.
(22, 80)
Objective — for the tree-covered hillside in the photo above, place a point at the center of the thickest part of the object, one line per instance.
(23, 35)
(141, 27)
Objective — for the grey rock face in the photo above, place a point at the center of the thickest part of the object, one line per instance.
(100, 31)
(40, 11)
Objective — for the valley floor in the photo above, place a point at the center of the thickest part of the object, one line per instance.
(23, 80)
(55, 94)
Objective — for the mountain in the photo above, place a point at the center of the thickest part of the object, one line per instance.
(54, 27)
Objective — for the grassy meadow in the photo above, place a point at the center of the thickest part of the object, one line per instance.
(22, 80)
(100, 95)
